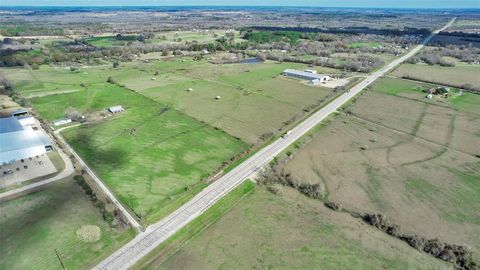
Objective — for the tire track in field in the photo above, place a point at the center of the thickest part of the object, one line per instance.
(451, 129)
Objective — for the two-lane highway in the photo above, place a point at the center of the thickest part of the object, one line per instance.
(155, 234)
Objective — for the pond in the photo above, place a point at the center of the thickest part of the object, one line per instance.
(254, 60)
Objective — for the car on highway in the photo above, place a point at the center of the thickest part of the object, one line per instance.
(285, 135)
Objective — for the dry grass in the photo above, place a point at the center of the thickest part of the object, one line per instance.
(418, 165)
(88, 233)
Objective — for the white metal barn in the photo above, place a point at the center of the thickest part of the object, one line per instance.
(309, 75)
(20, 142)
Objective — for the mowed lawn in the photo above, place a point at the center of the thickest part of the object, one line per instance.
(149, 155)
(459, 75)
(36, 225)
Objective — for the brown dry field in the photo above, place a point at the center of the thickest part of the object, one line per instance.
(291, 231)
(418, 167)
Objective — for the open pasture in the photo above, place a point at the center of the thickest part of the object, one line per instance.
(254, 98)
(415, 161)
(36, 226)
(154, 153)
(148, 155)
(266, 238)
(200, 36)
(458, 76)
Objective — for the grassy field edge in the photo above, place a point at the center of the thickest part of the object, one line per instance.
(194, 228)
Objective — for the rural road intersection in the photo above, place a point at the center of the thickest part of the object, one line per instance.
(157, 233)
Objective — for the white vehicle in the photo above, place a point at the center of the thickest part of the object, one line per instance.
(286, 134)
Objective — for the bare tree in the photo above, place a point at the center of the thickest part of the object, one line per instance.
(73, 114)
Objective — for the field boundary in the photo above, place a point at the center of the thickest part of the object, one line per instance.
(130, 219)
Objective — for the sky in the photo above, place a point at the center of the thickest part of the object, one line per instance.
(313, 3)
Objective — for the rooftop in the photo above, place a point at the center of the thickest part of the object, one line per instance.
(304, 74)
(9, 124)
(17, 141)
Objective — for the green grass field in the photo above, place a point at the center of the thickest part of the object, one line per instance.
(154, 154)
(460, 101)
(459, 75)
(255, 98)
(148, 168)
(110, 41)
(364, 44)
(37, 224)
(190, 36)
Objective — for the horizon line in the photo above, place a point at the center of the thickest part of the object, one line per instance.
(235, 6)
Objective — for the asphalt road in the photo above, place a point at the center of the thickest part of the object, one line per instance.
(155, 234)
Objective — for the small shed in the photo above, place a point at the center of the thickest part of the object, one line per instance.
(116, 109)
(218, 97)
(61, 122)
(190, 90)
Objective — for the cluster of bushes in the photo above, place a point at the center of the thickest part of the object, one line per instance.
(6, 88)
(360, 63)
(345, 30)
(467, 54)
(456, 254)
(273, 175)
(430, 58)
(291, 37)
(107, 216)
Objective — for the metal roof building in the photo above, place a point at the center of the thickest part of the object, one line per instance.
(305, 75)
(9, 124)
(26, 120)
(17, 142)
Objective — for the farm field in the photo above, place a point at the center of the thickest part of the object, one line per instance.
(150, 155)
(370, 44)
(413, 160)
(165, 151)
(191, 36)
(37, 224)
(266, 238)
(161, 38)
(458, 76)
(255, 100)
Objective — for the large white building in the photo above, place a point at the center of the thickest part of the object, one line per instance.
(308, 74)
(20, 142)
